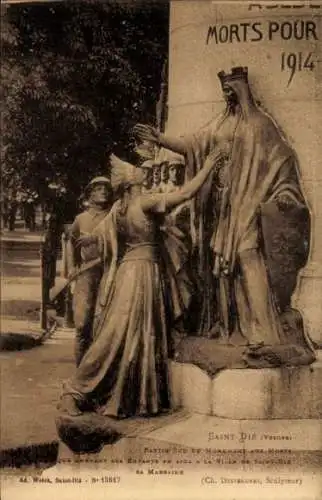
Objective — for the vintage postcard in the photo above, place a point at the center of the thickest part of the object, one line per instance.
(161, 235)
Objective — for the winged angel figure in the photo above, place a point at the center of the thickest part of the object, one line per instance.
(125, 371)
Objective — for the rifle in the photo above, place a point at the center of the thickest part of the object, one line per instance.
(56, 290)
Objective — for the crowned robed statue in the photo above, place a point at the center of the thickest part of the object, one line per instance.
(250, 225)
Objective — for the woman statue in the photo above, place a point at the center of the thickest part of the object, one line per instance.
(125, 370)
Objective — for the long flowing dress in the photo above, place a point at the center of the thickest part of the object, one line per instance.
(126, 367)
(262, 171)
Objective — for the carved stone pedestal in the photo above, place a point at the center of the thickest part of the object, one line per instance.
(269, 393)
(257, 427)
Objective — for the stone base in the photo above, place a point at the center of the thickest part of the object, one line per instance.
(270, 393)
(198, 456)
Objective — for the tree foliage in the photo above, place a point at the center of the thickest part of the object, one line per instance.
(76, 77)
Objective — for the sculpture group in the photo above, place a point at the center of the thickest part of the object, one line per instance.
(187, 256)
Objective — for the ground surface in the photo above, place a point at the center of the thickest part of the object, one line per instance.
(31, 374)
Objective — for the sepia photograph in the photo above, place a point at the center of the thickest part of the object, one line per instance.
(161, 249)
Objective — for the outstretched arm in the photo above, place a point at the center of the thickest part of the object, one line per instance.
(148, 133)
(157, 202)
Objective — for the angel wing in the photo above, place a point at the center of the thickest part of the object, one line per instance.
(117, 163)
(122, 172)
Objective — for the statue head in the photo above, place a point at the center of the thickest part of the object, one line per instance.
(98, 191)
(124, 175)
(176, 171)
(147, 169)
(234, 86)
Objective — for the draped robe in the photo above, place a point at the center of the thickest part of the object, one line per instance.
(142, 293)
(261, 168)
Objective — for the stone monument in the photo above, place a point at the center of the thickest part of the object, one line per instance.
(281, 46)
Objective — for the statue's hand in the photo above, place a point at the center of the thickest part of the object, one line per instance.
(146, 133)
(71, 271)
(215, 159)
(218, 156)
(224, 148)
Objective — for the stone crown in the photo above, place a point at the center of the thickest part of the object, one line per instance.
(237, 73)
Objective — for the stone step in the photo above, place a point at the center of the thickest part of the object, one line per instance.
(62, 335)
(269, 393)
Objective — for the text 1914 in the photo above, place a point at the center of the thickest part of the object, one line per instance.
(296, 61)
